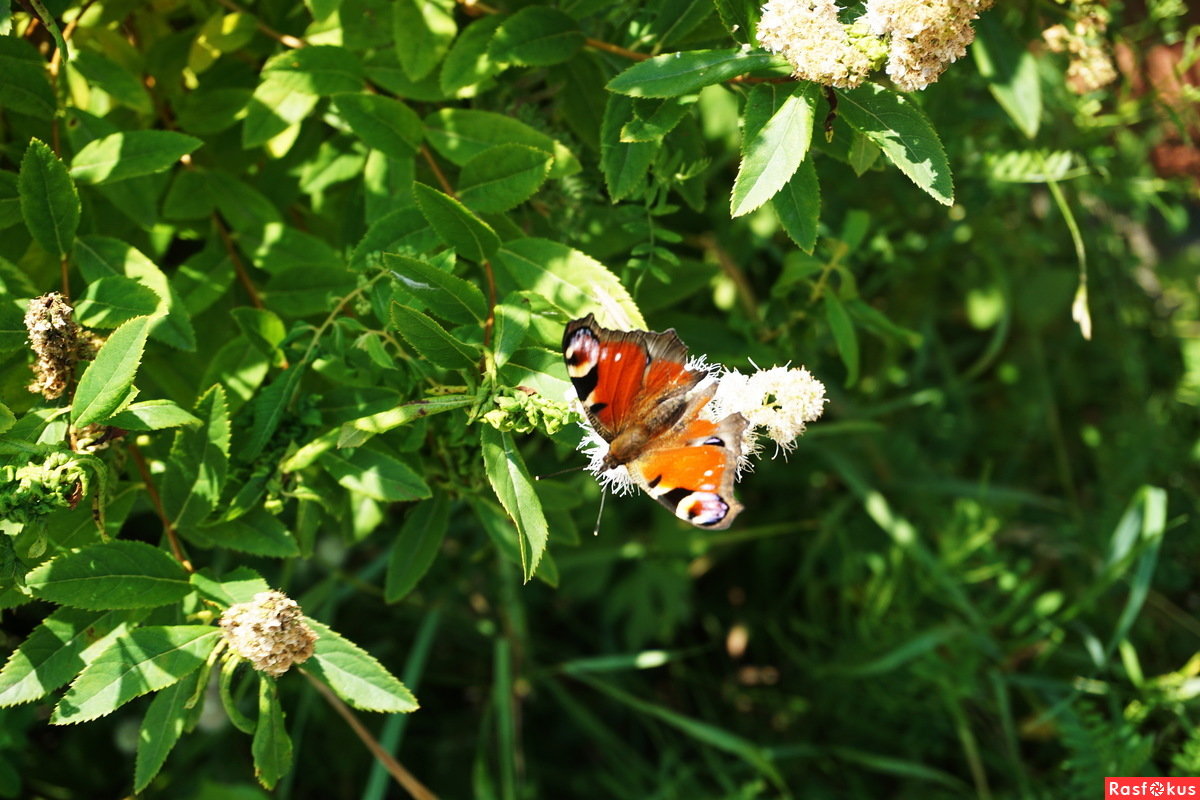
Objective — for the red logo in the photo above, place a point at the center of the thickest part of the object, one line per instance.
(1151, 787)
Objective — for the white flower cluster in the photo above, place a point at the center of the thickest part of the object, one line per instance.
(1091, 65)
(917, 39)
(777, 402)
(269, 632)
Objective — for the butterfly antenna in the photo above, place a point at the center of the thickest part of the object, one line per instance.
(600, 513)
(560, 472)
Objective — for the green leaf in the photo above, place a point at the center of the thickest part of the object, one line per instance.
(468, 63)
(10, 198)
(407, 412)
(316, 70)
(275, 107)
(446, 295)
(116, 574)
(146, 660)
(513, 486)
(258, 533)
(798, 205)
(100, 256)
(355, 676)
(624, 164)
(382, 123)
(422, 31)
(105, 74)
(49, 201)
(272, 747)
(12, 327)
(24, 86)
(161, 728)
(1011, 72)
(57, 650)
(7, 418)
(536, 36)
(568, 279)
(772, 152)
(899, 128)
(128, 154)
(198, 463)
(115, 299)
(416, 546)
(377, 475)
(460, 134)
(512, 323)
(844, 335)
(431, 341)
(153, 415)
(467, 234)
(502, 177)
(106, 382)
(653, 119)
(269, 407)
(238, 585)
(673, 74)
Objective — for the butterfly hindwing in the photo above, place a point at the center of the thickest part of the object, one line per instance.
(693, 475)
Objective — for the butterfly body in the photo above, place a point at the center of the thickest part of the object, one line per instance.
(642, 399)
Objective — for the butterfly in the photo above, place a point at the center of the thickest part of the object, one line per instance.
(640, 396)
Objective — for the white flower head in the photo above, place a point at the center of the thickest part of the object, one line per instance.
(780, 401)
(819, 47)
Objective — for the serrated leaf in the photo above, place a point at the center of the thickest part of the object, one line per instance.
(106, 382)
(354, 675)
(446, 295)
(381, 122)
(772, 152)
(653, 119)
(468, 63)
(100, 256)
(271, 747)
(198, 463)
(431, 341)
(377, 475)
(160, 730)
(404, 230)
(109, 76)
(153, 415)
(673, 74)
(512, 323)
(274, 108)
(624, 164)
(407, 412)
(258, 533)
(269, 408)
(146, 660)
(115, 299)
(239, 585)
(416, 546)
(798, 205)
(536, 36)
(7, 418)
(460, 134)
(467, 234)
(899, 128)
(57, 650)
(24, 86)
(422, 31)
(116, 574)
(120, 156)
(502, 177)
(568, 279)
(513, 486)
(316, 70)
(49, 201)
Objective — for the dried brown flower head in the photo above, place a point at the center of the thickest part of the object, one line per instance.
(54, 337)
(269, 632)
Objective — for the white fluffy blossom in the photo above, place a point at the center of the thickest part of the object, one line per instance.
(923, 36)
(1091, 64)
(778, 402)
(817, 45)
(269, 632)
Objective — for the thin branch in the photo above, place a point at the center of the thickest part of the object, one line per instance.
(447, 187)
(286, 39)
(402, 776)
(731, 268)
(238, 266)
(156, 500)
(616, 50)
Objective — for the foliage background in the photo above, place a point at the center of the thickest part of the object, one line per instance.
(974, 576)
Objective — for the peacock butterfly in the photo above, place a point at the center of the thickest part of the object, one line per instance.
(643, 398)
